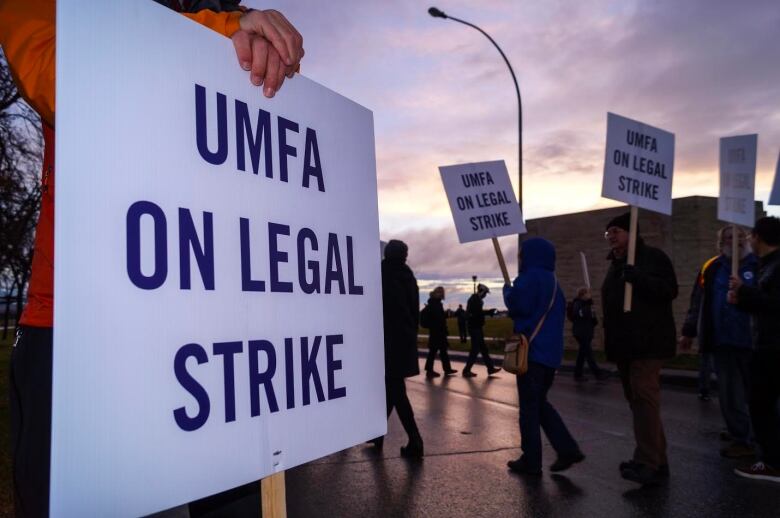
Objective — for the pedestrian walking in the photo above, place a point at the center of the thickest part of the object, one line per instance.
(762, 301)
(724, 334)
(639, 341)
(476, 322)
(537, 307)
(401, 312)
(584, 322)
(437, 338)
(460, 314)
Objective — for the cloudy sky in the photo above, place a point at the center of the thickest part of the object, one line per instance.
(441, 94)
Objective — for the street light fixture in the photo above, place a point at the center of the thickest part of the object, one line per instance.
(437, 13)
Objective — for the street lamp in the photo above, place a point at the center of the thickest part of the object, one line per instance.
(436, 13)
(474, 280)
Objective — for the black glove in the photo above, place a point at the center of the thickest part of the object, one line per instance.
(630, 273)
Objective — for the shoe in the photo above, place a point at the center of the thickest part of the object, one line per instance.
(450, 372)
(564, 462)
(519, 466)
(759, 471)
(703, 396)
(632, 464)
(413, 450)
(737, 450)
(580, 379)
(645, 475)
(602, 376)
(493, 370)
(378, 442)
(432, 374)
(468, 374)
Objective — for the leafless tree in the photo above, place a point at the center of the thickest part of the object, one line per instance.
(20, 193)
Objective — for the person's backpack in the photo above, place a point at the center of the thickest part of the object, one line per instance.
(570, 313)
(425, 317)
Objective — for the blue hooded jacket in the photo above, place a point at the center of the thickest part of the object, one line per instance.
(529, 297)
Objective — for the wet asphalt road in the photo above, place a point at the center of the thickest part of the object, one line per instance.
(470, 431)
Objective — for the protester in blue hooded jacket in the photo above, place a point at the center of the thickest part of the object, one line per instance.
(536, 297)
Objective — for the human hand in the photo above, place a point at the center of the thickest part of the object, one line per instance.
(274, 27)
(685, 343)
(260, 57)
(630, 273)
(735, 283)
(731, 297)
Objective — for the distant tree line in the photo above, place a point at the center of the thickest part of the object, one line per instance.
(21, 145)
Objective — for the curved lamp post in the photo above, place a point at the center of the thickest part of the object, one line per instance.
(436, 13)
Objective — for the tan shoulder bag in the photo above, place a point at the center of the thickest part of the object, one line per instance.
(516, 349)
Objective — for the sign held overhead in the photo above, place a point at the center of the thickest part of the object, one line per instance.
(638, 165)
(737, 179)
(482, 200)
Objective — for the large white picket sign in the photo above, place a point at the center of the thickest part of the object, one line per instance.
(774, 196)
(638, 165)
(217, 284)
(738, 179)
(482, 200)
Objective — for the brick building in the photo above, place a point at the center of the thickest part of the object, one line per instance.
(688, 237)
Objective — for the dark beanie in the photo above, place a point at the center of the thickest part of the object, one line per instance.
(396, 250)
(623, 221)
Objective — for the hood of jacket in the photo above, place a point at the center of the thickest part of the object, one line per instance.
(537, 253)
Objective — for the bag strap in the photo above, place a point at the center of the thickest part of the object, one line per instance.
(552, 302)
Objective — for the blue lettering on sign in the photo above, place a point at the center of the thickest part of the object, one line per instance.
(196, 390)
(257, 139)
(137, 277)
(204, 254)
(262, 374)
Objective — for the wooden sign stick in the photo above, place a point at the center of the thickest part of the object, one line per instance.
(272, 496)
(501, 262)
(629, 293)
(734, 251)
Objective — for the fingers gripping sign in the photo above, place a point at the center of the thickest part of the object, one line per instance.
(269, 47)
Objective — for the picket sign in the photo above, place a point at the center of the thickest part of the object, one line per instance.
(638, 170)
(272, 494)
(736, 203)
(483, 204)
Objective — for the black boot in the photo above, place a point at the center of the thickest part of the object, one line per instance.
(413, 450)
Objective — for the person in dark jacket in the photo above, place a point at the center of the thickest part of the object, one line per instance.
(583, 322)
(401, 312)
(763, 302)
(639, 341)
(460, 314)
(476, 321)
(724, 332)
(437, 339)
(537, 307)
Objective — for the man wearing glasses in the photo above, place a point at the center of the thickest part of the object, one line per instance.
(639, 341)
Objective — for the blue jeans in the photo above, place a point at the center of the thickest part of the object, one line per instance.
(733, 368)
(536, 414)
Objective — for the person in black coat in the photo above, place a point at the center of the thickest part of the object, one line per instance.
(437, 340)
(461, 315)
(583, 323)
(476, 320)
(762, 301)
(639, 341)
(401, 311)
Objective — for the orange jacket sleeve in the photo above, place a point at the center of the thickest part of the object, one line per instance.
(27, 37)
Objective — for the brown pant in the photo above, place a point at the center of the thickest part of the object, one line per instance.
(642, 388)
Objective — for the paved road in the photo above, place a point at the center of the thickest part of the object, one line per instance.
(470, 431)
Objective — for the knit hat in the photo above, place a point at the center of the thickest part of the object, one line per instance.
(623, 221)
